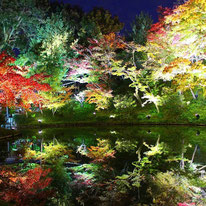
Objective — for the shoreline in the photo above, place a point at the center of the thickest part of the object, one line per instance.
(93, 124)
(87, 124)
(9, 136)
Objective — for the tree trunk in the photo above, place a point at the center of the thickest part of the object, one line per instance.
(193, 94)
(137, 96)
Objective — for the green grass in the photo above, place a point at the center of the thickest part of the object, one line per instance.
(174, 111)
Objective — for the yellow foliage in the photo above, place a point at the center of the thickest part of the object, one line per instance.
(55, 100)
(101, 152)
(99, 96)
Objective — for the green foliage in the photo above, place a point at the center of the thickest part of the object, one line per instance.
(88, 173)
(83, 112)
(48, 50)
(174, 107)
(146, 88)
(75, 111)
(60, 181)
(104, 20)
(123, 102)
(52, 152)
(140, 27)
(156, 177)
(26, 167)
(196, 106)
(87, 30)
(123, 184)
(126, 145)
(169, 189)
(18, 23)
(82, 26)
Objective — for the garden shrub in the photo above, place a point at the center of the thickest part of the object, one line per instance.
(169, 189)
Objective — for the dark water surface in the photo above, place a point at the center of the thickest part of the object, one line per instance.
(99, 161)
(131, 138)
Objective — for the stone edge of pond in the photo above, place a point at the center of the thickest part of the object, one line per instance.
(86, 124)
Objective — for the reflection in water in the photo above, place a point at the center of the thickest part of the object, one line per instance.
(171, 135)
(110, 166)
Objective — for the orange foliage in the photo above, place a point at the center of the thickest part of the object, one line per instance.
(178, 63)
(25, 190)
(102, 152)
(98, 94)
(16, 90)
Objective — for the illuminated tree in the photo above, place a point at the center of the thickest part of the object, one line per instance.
(18, 22)
(176, 47)
(98, 95)
(74, 17)
(145, 87)
(123, 102)
(17, 90)
(93, 67)
(48, 50)
(54, 100)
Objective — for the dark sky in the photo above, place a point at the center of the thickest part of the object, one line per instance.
(125, 9)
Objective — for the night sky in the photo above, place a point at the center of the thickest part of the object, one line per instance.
(125, 9)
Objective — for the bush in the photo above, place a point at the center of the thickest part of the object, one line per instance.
(169, 189)
(173, 108)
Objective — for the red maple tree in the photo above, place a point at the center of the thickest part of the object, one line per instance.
(17, 90)
(25, 189)
(158, 30)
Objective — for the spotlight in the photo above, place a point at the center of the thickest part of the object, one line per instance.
(197, 116)
(148, 116)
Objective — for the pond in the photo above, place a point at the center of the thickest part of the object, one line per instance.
(103, 160)
(176, 137)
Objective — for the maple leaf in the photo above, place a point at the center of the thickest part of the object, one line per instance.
(176, 47)
(17, 90)
(25, 189)
(99, 95)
